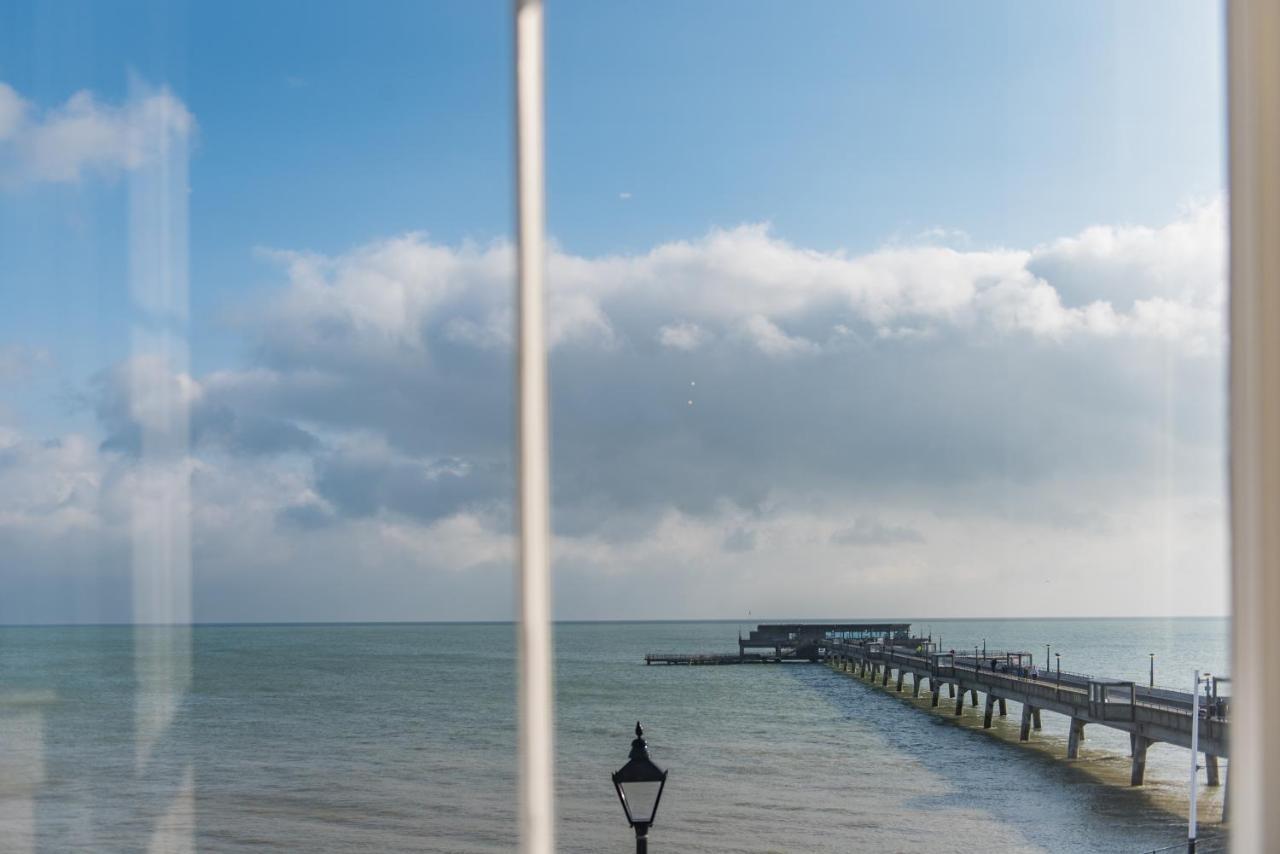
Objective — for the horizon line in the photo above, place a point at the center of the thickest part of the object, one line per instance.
(600, 621)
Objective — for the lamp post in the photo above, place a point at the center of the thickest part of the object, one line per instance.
(1046, 656)
(1205, 680)
(1152, 682)
(1057, 657)
(639, 784)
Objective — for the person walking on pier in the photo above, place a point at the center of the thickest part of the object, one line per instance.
(1035, 671)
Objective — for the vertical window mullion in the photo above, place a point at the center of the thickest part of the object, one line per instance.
(535, 678)
(1253, 58)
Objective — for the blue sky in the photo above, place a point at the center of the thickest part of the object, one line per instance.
(844, 125)
(842, 130)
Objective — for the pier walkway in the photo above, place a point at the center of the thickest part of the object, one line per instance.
(887, 652)
(1149, 715)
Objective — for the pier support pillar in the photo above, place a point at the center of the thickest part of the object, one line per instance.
(986, 714)
(1024, 732)
(1138, 771)
(1004, 709)
(915, 685)
(884, 682)
(937, 692)
(1211, 770)
(951, 687)
(960, 704)
(901, 673)
(973, 697)
(1035, 719)
(1073, 740)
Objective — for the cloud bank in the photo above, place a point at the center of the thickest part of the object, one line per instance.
(739, 423)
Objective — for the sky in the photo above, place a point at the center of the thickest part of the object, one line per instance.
(857, 309)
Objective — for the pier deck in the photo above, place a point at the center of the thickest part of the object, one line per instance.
(1149, 715)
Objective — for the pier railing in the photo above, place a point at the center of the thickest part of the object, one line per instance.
(1060, 685)
(1147, 713)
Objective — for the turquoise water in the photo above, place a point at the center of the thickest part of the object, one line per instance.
(401, 738)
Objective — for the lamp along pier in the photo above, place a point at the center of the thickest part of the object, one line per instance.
(885, 653)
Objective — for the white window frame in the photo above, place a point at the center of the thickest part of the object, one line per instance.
(535, 691)
(1253, 83)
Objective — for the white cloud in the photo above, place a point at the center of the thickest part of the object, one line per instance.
(771, 340)
(13, 111)
(682, 336)
(389, 299)
(899, 429)
(62, 144)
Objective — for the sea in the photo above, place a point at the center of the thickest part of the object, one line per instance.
(401, 737)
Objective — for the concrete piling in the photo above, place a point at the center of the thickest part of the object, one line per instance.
(1139, 745)
(1074, 738)
(1144, 727)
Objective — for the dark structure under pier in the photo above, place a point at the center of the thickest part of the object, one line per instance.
(772, 643)
(809, 641)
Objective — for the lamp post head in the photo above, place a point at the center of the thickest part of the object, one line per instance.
(639, 750)
(639, 784)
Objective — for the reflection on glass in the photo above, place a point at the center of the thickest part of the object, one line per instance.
(906, 317)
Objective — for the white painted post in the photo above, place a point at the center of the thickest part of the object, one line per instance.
(1195, 765)
(536, 696)
(1253, 63)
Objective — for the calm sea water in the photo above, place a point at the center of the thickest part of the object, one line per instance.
(401, 738)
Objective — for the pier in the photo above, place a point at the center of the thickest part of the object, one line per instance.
(886, 654)
(791, 642)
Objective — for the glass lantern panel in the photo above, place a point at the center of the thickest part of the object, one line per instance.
(641, 799)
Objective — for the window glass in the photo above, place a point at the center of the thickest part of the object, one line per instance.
(887, 398)
(255, 426)
(906, 313)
